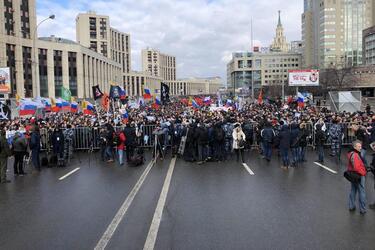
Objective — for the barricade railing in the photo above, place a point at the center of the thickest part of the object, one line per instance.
(88, 138)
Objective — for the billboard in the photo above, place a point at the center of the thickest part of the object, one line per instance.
(308, 77)
(4, 81)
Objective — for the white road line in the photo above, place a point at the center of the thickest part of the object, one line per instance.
(71, 172)
(248, 169)
(154, 228)
(326, 168)
(123, 209)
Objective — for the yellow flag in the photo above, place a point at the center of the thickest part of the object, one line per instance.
(84, 104)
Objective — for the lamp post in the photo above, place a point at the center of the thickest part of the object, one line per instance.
(36, 87)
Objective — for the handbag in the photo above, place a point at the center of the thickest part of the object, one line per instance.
(352, 176)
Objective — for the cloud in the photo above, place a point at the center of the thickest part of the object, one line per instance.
(201, 34)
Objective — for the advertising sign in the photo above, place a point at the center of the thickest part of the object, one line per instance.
(4, 81)
(307, 77)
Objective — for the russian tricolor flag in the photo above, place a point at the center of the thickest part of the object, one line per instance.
(74, 107)
(207, 100)
(300, 100)
(195, 104)
(89, 109)
(65, 105)
(27, 108)
(147, 94)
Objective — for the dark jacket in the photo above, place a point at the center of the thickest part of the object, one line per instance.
(130, 136)
(294, 132)
(362, 135)
(201, 133)
(19, 143)
(302, 137)
(57, 141)
(35, 141)
(4, 148)
(268, 135)
(284, 138)
(320, 137)
(218, 134)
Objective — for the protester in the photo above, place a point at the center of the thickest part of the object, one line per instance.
(239, 140)
(35, 148)
(320, 139)
(4, 154)
(284, 145)
(19, 147)
(357, 165)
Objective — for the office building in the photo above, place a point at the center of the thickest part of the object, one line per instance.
(57, 62)
(369, 46)
(195, 86)
(94, 31)
(159, 64)
(332, 31)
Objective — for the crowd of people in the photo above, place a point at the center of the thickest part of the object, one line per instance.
(208, 133)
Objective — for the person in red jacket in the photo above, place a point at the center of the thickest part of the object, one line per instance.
(356, 164)
(121, 147)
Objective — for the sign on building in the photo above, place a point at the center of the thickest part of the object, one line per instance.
(309, 77)
(4, 81)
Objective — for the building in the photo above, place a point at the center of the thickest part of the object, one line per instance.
(261, 69)
(195, 86)
(332, 31)
(135, 82)
(368, 43)
(159, 64)
(94, 31)
(296, 47)
(279, 43)
(57, 62)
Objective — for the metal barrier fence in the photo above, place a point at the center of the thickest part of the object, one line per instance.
(88, 138)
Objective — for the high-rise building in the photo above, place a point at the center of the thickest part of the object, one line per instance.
(332, 31)
(369, 46)
(159, 64)
(279, 43)
(94, 31)
(42, 66)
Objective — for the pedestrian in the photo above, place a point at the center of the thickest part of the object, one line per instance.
(4, 154)
(357, 165)
(121, 146)
(284, 145)
(303, 134)
(58, 144)
(239, 140)
(35, 148)
(294, 132)
(19, 146)
(268, 135)
(320, 139)
(364, 136)
(219, 140)
(335, 135)
(201, 133)
(130, 143)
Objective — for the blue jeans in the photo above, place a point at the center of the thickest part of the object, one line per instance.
(108, 152)
(363, 156)
(360, 189)
(320, 150)
(285, 156)
(35, 159)
(301, 154)
(294, 155)
(267, 151)
(120, 156)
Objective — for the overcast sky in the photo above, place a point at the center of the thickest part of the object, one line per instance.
(202, 34)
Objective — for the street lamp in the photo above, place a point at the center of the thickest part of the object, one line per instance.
(36, 87)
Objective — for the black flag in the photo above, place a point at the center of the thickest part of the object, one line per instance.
(5, 112)
(96, 92)
(164, 95)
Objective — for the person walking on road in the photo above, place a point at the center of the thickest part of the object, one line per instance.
(239, 140)
(121, 147)
(320, 139)
(19, 145)
(357, 165)
(35, 147)
(284, 145)
(268, 135)
(4, 154)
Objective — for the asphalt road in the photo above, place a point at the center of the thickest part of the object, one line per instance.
(209, 206)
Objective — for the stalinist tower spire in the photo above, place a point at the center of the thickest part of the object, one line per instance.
(279, 43)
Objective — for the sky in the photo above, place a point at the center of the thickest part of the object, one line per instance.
(202, 34)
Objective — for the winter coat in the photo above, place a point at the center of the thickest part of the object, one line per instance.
(19, 143)
(5, 150)
(58, 141)
(219, 135)
(302, 137)
(122, 140)
(320, 137)
(238, 135)
(355, 163)
(130, 136)
(364, 137)
(284, 138)
(294, 132)
(201, 133)
(35, 141)
(267, 135)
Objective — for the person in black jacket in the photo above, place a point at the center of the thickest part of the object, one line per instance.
(302, 142)
(268, 135)
(58, 143)
(364, 136)
(219, 140)
(201, 133)
(110, 132)
(320, 139)
(294, 143)
(130, 140)
(35, 147)
(284, 145)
